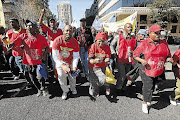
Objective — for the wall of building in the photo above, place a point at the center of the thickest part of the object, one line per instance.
(65, 12)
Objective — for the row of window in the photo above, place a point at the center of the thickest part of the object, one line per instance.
(131, 3)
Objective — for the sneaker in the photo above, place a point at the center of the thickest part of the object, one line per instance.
(39, 93)
(145, 108)
(108, 91)
(129, 83)
(74, 92)
(16, 77)
(173, 102)
(64, 95)
(148, 103)
(44, 93)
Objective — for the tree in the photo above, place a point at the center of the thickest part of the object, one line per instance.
(162, 12)
(30, 9)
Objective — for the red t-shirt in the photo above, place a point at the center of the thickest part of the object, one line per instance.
(102, 52)
(123, 49)
(16, 51)
(155, 55)
(51, 36)
(66, 49)
(176, 56)
(33, 48)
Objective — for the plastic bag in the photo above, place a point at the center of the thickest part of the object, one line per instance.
(109, 76)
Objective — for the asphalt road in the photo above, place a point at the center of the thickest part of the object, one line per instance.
(127, 106)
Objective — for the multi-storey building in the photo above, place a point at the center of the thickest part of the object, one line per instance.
(124, 8)
(65, 12)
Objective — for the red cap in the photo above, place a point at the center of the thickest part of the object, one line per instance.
(155, 28)
(101, 36)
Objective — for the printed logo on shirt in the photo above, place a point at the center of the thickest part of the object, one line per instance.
(65, 54)
(66, 48)
(158, 63)
(33, 53)
(100, 55)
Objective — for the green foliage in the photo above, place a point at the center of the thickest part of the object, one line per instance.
(162, 12)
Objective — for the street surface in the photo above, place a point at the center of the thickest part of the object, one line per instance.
(27, 106)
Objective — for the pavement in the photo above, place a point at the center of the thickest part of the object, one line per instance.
(27, 106)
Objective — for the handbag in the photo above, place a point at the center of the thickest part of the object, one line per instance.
(109, 76)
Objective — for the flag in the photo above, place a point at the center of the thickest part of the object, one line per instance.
(62, 25)
(114, 26)
(74, 23)
(97, 24)
(2, 20)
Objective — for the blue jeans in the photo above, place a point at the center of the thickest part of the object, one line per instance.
(84, 60)
(16, 64)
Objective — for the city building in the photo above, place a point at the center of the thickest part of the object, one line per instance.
(65, 12)
(124, 8)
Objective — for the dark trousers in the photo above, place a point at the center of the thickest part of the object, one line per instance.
(123, 69)
(32, 74)
(148, 84)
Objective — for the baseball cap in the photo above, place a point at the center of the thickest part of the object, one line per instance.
(155, 28)
(101, 36)
(142, 32)
(163, 33)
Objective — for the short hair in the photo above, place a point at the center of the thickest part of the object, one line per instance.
(14, 19)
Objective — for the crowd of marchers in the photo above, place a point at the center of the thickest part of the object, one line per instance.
(31, 53)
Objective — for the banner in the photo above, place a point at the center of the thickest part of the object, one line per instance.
(2, 20)
(114, 26)
(97, 24)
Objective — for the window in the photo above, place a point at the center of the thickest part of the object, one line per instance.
(143, 19)
(174, 19)
(130, 3)
(124, 3)
(174, 27)
(142, 27)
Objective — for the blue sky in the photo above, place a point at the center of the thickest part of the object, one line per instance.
(78, 7)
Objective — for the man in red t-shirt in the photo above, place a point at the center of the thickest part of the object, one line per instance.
(155, 52)
(35, 48)
(52, 32)
(17, 53)
(65, 53)
(122, 48)
(99, 54)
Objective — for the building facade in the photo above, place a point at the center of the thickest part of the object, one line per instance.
(124, 8)
(65, 12)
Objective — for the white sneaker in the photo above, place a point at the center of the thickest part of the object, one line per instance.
(107, 91)
(64, 95)
(16, 78)
(145, 108)
(173, 102)
(74, 92)
(148, 103)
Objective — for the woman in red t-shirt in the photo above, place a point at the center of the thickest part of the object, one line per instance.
(99, 54)
(155, 53)
(175, 99)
